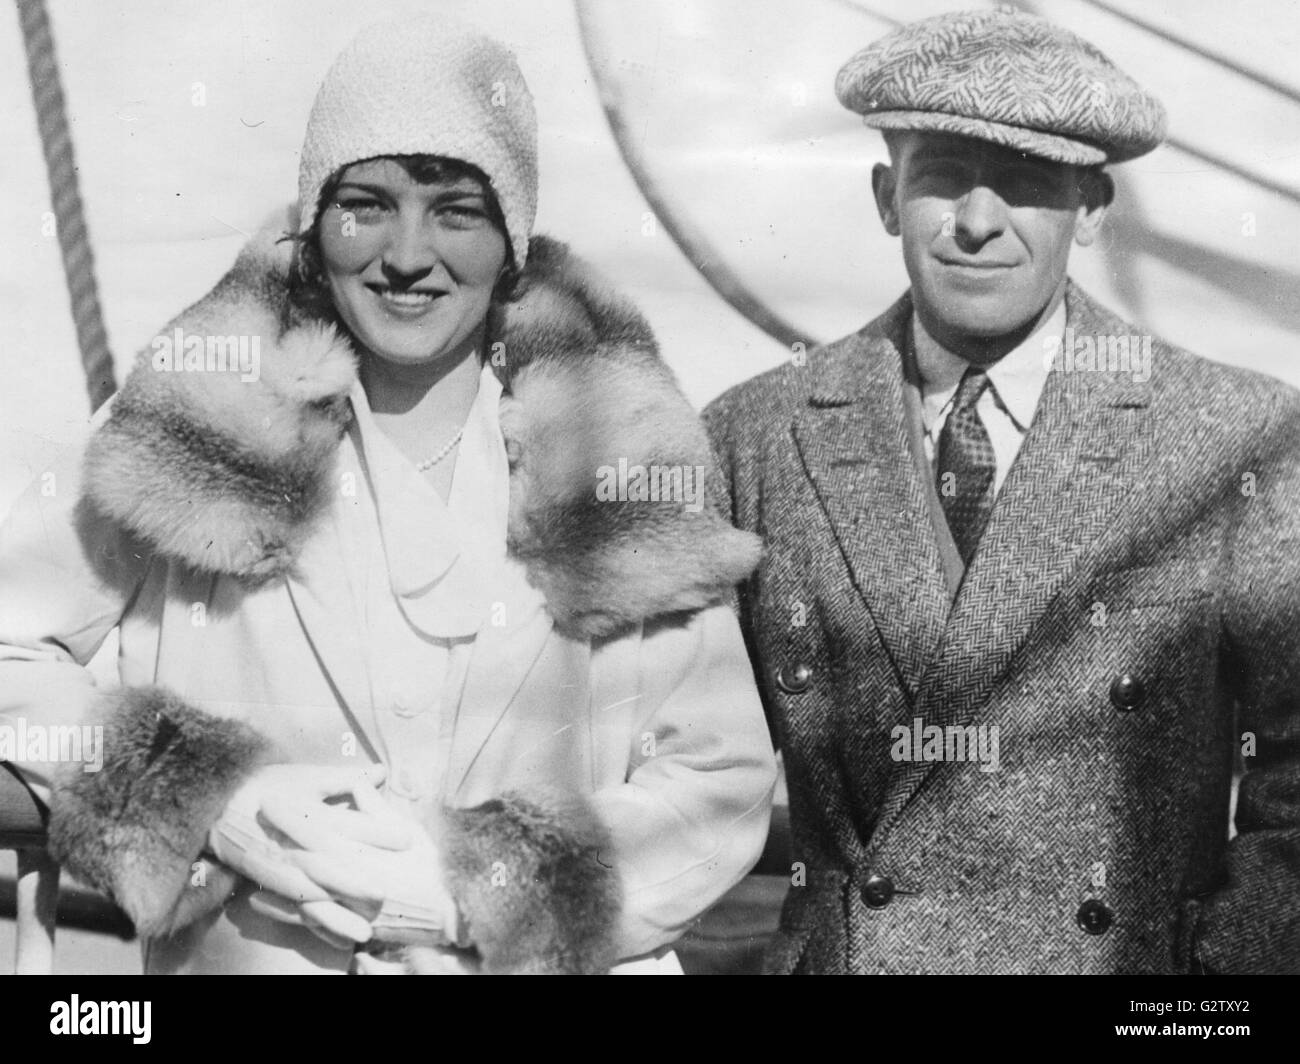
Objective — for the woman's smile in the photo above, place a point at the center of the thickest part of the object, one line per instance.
(409, 304)
(411, 264)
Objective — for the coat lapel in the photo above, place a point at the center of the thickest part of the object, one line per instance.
(853, 442)
(502, 658)
(1069, 485)
(324, 600)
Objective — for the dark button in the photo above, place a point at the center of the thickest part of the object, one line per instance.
(794, 679)
(877, 890)
(1127, 692)
(1095, 917)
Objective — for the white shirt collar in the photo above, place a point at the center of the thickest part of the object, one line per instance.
(1018, 377)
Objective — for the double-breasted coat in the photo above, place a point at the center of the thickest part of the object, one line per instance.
(1130, 626)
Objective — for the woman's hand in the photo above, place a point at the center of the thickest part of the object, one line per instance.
(298, 794)
(374, 861)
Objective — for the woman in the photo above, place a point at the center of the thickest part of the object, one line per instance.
(414, 634)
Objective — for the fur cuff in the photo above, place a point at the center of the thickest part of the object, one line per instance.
(532, 887)
(135, 829)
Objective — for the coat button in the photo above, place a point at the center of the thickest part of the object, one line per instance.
(1127, 693)
(877, 890)
(794, 679)
(1095, 917)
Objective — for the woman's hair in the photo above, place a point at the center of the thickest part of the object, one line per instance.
(308, 290)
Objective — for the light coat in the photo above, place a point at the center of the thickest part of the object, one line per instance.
(615, 735)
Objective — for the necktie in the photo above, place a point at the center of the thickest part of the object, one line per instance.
(966, 466)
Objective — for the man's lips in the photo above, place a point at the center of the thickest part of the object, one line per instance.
(974, 264)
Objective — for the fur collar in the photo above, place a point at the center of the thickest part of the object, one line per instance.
(228, 476)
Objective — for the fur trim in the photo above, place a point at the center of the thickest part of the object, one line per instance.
(529, 880)
(222, 473)
(136, 828)
(590, 396)
(227, 476)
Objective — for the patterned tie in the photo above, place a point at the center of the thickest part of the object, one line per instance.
(966, 466)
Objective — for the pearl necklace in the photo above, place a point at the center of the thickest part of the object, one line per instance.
(429, 463)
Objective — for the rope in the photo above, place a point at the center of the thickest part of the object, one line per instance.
(60, 165)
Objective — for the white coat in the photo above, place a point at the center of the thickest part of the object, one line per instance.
(613, 711)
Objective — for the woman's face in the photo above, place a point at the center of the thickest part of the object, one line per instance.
(410, 266)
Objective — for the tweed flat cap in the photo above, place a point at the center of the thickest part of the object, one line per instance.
(1005, 77)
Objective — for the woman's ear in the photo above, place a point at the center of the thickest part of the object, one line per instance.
(884, 184)
(1098, 191)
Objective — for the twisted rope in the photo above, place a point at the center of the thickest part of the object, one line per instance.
(65, 197)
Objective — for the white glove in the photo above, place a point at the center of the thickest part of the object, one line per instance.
(299, 793)
(390, 871)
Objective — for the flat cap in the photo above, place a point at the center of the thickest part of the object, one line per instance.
(1005, 77)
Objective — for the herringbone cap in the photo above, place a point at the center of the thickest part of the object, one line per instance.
(1005, 77)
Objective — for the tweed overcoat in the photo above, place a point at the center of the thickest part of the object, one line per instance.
(607, 772)
(1130, 624)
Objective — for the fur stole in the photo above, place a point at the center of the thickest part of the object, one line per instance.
(227, 475)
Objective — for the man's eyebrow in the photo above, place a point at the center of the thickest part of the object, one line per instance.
(1031, 160)
(941, 151)
(937, 152)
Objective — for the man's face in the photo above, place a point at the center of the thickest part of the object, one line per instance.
(986, 232)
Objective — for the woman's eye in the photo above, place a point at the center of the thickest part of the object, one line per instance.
(360, 206)
(463, 215)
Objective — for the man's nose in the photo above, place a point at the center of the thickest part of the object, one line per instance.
(980, 216)
(412, 250)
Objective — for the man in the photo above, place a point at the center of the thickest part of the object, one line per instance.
(1032, 577)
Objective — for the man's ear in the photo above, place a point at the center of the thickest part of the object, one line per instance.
(884, 184)
(1098, 192)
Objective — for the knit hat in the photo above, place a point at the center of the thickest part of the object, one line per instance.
(426, 86)
(1004, 77)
